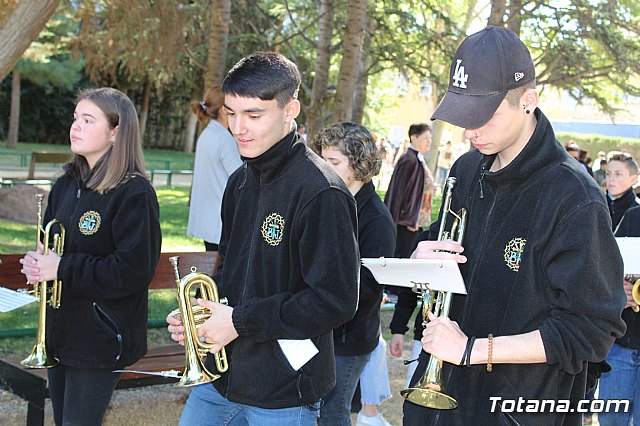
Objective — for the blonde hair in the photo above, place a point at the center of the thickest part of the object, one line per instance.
(208, 108)
(124, 158)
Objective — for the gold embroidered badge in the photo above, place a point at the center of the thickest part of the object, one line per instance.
(272, 229)
(89, 222)
(513, 253)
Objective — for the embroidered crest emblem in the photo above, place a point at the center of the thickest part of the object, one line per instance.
(518, 76)
(459, 77)
(272, 229)
(89, 222)
(513, 253)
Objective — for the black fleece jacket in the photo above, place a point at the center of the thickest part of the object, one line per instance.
(376, 238)
(618, 206)
(630, 227)
(541, 256)
(111, 250)
(291, 271)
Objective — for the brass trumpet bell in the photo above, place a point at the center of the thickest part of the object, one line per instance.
(429, 391)
(195, 371)
(47, 295)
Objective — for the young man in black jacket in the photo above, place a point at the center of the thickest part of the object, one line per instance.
(621, 176)
(622, 383)
(290, 261)
(539, 260)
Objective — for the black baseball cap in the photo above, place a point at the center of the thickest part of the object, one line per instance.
(485, 67)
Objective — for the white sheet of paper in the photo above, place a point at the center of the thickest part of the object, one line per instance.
(440, 275)
(630, 251)
(298, 352)
(10, 299)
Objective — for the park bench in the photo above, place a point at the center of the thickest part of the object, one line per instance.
(169, 173)
(32, 384)
(39, 157)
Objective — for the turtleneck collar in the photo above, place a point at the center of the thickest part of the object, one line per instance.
(269, 165)
(541, 149)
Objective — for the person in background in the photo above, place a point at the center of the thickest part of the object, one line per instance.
(286, 218)
(622, 382)
(539, 261)
(112, 221)
(302, 131)
(621, 176)
(600, 175)
(216, 158)
(351, 151)
(445, 160)
(598, 161)
(411, 190)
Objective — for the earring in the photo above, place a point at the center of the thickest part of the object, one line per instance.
(527, 111)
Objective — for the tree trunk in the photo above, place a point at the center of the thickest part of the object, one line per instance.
(315, 112)
(14, 115)
(352, 49)
(498, 10)
(191, 124)
(219, 17)
(144, 110)
(360, 98)
(20, 28)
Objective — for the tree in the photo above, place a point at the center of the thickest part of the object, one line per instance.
(315, 111)
(20, 23)
(350, 64)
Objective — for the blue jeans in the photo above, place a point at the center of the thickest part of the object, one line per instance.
(336, 410)
(622, 382)
(206, 406)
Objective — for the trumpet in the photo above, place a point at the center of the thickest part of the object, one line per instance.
(39, 357)
(195, 371)
(429, 391)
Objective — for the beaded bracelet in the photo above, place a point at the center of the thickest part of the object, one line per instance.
(490, 353)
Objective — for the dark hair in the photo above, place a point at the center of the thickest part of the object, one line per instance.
(513, 96)
(208, 108)
(264, 75)
(418, 129)
(124, 158)
(356, 143)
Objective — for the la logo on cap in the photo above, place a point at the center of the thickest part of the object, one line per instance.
(459, 77)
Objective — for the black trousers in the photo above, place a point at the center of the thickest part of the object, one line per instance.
(210, 246)
(80, 396)
(406, 241)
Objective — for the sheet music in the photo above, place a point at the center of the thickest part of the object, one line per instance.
(630, 251)
(441, 275)
(10, 300)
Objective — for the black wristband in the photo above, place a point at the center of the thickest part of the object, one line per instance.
(466, 356)
(469, 349)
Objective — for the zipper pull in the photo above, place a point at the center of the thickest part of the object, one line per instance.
(78, 194)
(484, 171)
(244, 180)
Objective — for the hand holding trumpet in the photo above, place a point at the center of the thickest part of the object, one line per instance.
(218, 330)
(38, 267)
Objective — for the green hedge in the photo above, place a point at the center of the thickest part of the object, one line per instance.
(596, 143)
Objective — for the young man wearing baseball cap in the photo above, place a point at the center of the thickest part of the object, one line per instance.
(539, 260)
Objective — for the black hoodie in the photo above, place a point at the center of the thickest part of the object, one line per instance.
(291, 269)
(541, 256)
